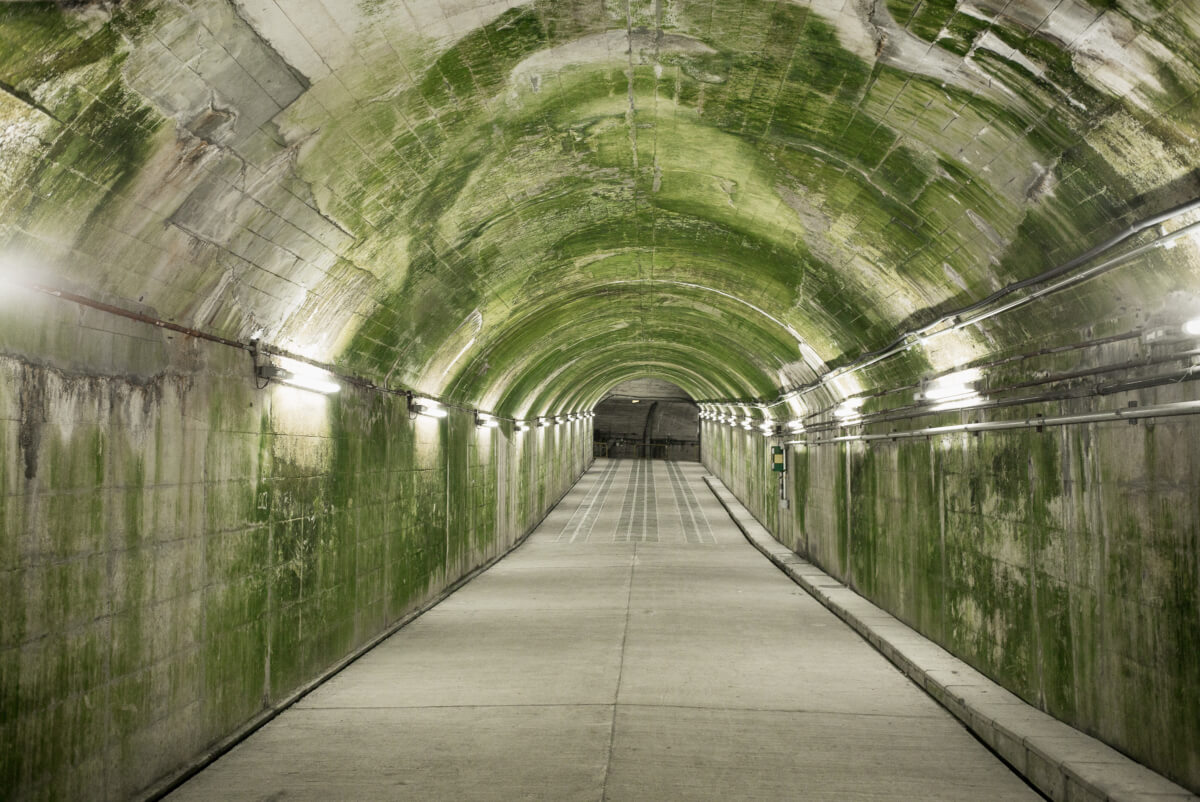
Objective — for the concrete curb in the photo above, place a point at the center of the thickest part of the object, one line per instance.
(1057, 759)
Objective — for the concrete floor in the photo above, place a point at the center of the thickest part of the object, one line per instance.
(635, 648)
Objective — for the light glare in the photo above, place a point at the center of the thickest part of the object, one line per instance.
(306, 376)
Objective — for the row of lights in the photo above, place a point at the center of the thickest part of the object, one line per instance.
(957, 390)
(304, 376)
(728, 414)
(430, 408)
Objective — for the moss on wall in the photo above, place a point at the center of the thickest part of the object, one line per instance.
(1063, 564)
(190, 550)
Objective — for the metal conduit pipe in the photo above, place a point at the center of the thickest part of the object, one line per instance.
(914, 411)
(904, 341)
(1092, 253)
(1079, 277)
(252, 347)
(1061, 349)
(1129, 414)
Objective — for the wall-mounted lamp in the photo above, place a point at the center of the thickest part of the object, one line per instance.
(424, 406)
(796, 426)
(485, 421)
(635, 400)
(522, 426)
(849, 410)
(953, 391)
(297, 374)
(1169, 334)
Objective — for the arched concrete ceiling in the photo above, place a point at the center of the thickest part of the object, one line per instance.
(517, 205)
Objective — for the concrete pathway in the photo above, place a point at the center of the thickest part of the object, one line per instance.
(636, 647)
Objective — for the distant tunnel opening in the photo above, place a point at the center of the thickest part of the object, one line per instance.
(647, 419)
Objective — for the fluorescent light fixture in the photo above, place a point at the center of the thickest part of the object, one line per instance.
(522, 426)
(485, 421)
(953, 391)
(427, 407)
(299, 374)
(973, 400)
(767, 426)
(748, 424)
(849, 409)
(796, 425)
(635, 401)
(1192, 327)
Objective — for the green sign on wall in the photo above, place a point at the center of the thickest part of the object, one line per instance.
(777, 463)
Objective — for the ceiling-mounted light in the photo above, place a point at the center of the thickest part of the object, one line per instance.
(748, 424)
(485, 421)
(635, 400)
(425, 406)
(299, 374)
(796, 425)
(1192, 327)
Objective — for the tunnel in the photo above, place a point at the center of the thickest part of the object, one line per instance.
(594, 400)
(646, 419)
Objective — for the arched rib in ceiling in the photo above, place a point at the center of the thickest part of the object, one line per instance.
(634, 319)
(546, 391)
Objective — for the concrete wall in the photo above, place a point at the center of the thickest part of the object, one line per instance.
(1065, 564)
(182, 550)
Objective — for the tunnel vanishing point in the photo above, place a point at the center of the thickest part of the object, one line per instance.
(306, 307)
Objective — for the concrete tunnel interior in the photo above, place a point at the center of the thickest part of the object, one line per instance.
(944, 253)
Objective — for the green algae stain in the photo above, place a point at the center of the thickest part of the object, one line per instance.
(864, 534)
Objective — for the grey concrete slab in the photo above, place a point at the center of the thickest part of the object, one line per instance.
(698, 754)
(524, 752)
(498, 657)
(636, 647)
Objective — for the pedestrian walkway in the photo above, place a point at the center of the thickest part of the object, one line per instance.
(636, 647)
